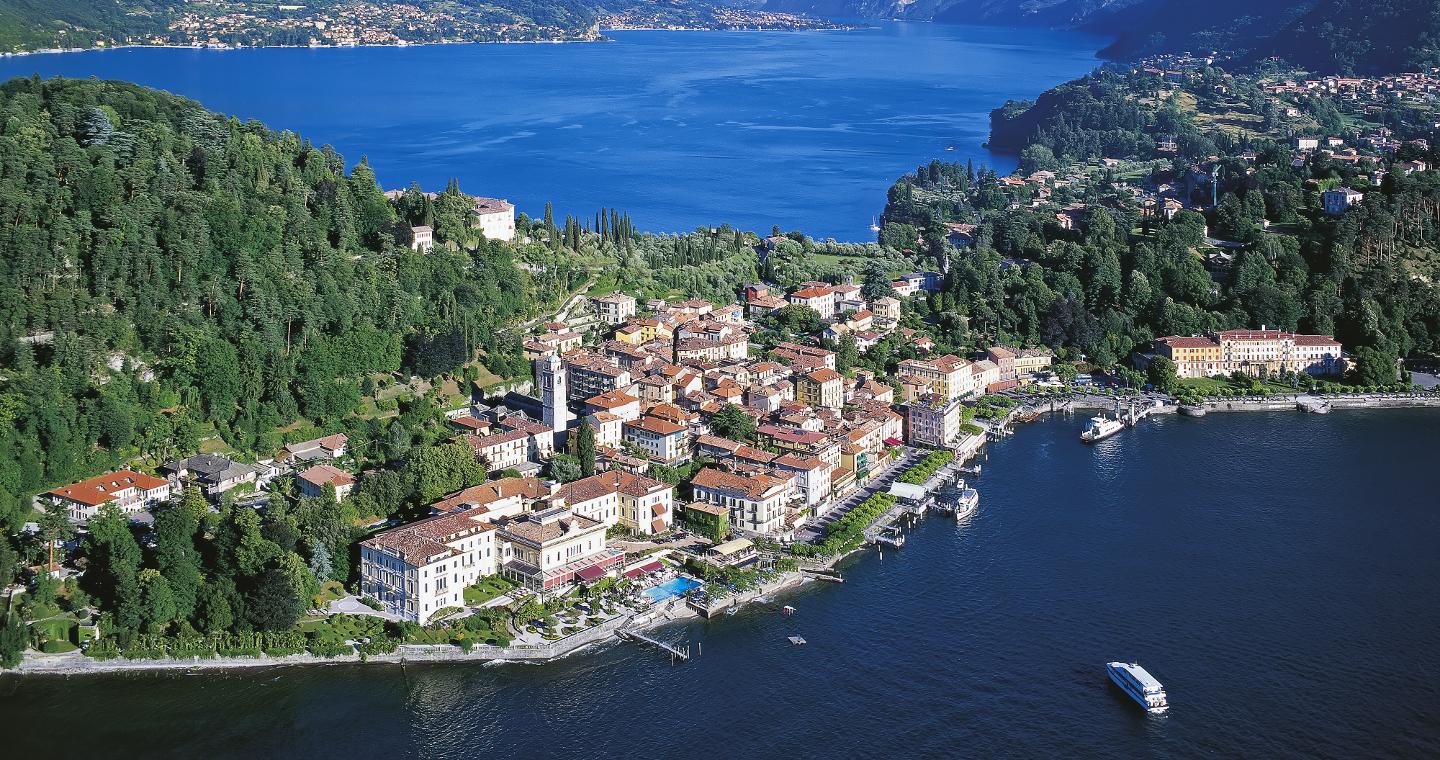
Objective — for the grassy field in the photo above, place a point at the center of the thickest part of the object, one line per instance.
(485, 589)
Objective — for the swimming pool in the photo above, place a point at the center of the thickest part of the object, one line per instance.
(671, 588)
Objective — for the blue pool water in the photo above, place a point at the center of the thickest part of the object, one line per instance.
(671, 589)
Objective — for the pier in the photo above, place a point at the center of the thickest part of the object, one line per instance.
(676, 652)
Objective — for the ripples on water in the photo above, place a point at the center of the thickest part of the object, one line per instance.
(1276, 571)
(680, 129)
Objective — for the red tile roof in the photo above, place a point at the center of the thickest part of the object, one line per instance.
(321, 474)
(1187, 341)
(101, 488)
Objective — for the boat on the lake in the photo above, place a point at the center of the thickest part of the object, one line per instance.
(1139, 684)
(1101, 428)
(966, 503)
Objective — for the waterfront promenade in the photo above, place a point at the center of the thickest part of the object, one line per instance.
(676, 610)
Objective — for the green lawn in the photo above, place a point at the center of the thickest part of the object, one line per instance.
(485, 589)
(1214, 385)
(332, 590)
(830, 258)
(604, 284)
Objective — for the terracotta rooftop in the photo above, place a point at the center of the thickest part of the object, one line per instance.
(481, 496)
(101, 488)
(656, 425)
(753, 487)
(612, 400)
(604, 483)
(321, 474)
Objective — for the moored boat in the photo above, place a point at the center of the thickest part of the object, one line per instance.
(1101, 428)
(1139, 684)
(966, 503)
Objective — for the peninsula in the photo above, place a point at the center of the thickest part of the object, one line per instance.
(259, 410)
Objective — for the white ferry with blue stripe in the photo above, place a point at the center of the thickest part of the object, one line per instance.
(1139, 684)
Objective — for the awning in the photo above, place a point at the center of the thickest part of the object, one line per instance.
(645, 569)
(657, 525)
(907, 491)
(894, 442)
(591, 573)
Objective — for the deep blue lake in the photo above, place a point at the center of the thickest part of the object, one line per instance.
(1278, 572)
(806, 130)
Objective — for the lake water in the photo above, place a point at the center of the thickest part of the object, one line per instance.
(1277, 571)
(806, 130)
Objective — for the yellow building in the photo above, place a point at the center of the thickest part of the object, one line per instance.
(1193, 356)
(948, 376)
(823, 387)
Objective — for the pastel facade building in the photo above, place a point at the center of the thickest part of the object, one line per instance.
(757, 503)
(823, 387)
(615, 308)
(933, 421)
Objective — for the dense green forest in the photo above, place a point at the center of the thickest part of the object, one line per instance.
(30, 24)
(1327, 36)
(169, 272)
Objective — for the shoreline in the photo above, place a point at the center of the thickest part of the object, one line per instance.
(600, 37)
(674, 610)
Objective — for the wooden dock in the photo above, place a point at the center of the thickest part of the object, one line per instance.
(676, 652)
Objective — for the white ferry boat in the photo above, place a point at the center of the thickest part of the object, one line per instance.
(966, 503)
(1101, 428)
(1139, 684)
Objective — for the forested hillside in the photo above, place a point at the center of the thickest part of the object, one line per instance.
(1108, 288)
(167, 271)
(29, 24)
(1328, 36)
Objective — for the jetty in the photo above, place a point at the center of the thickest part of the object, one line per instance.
(676, 652)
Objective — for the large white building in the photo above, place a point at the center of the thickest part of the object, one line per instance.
(418, 569)
(615, 308)
(129, 490)
(662, 440)
(495, 218)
